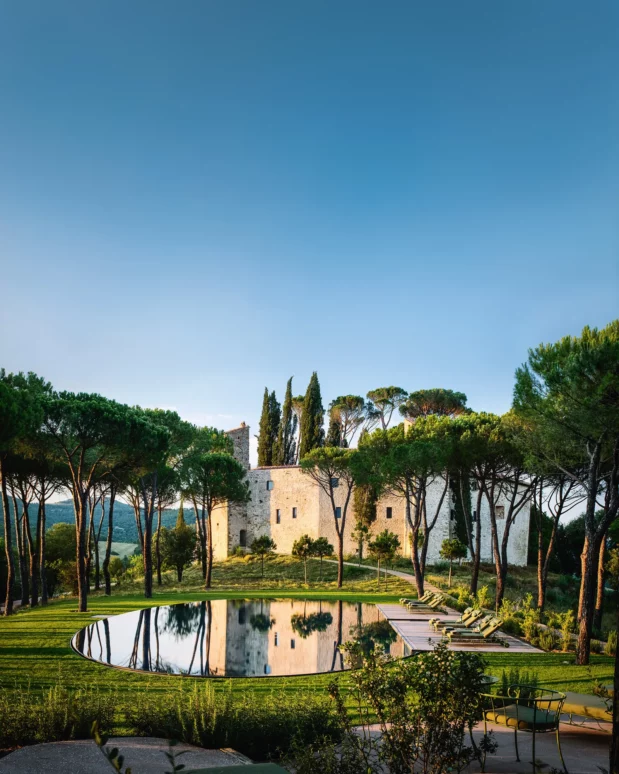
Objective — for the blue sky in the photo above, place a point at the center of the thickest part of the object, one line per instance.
(199, 199)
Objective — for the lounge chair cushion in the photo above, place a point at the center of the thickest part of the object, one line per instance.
(589, 706)
(522, 718)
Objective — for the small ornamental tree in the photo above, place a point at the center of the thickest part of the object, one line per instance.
(334, 470)
(453, 549)
(303, 548)
(210, 477)
(263, 546)
(178, 545)
(384, 548)
(322, 548)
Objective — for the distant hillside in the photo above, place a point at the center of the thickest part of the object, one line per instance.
(124, 519)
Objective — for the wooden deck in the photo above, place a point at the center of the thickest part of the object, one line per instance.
(417, 633)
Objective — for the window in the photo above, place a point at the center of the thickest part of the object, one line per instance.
(474, 516)
(267, 669)
(453, 515)
(389, 513)
(278, 516)
(291, 644)
(269, 486)
(338, 512)
(294, 513)
(243, 538)
(242, 612)
(499, 511)
(276, 639)
(335, 482)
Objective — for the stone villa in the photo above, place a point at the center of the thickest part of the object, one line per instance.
(286, 503)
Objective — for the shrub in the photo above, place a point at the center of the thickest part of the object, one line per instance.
(597, 646)
(463, 595)
(512, 626)
(530, 625)
(482, 598)
(423, 705)
(29, 717)
(257, 725)
(516, 676)
(611, 643)
(547, 639)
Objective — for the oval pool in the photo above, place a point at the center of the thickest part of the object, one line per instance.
(237, 638)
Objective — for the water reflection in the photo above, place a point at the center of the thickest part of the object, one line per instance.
(237, 638)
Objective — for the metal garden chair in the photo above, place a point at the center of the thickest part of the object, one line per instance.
(526, 708)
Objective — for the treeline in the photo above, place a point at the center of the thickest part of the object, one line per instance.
(289, 431)
(98, 449)
(557, 449)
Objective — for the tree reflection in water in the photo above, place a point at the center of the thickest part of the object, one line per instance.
(182, 620)
(304, 625)
(371, 635)
(231, 638)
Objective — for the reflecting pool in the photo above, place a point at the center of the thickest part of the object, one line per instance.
(237, 638)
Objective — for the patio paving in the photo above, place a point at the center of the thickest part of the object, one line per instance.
(144, 755)
(417, 633)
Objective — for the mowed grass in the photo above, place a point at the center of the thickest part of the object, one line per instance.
(35, 644)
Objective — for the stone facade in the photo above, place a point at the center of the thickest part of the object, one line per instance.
(286, 503)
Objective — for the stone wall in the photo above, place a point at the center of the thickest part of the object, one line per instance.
(277, 493)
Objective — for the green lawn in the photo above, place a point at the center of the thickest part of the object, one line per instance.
(35, 644)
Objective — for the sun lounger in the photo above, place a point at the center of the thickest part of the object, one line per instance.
(463, 618)
(586, 706)
(426, 607)
(477, 635)
(475, 624)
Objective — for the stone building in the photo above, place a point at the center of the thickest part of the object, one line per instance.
(286, 503)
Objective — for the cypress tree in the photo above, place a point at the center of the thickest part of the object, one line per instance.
(180, 519)
(275, 412)
(265, 435)
(312, 419)
(269, 428)
(334, 433)
(285, 453)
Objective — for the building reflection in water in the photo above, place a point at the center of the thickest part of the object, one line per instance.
(238, 638)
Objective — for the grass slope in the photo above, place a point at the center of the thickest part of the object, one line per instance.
(35, 644)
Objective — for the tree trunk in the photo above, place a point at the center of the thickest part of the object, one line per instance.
(91, 532)
(158, 546)
(33, 558)
(378, 572)
(108, 543)
(589, 557)
(541, 589)
(340, 559)
(80, 506)
(209, 550)
(449, 583)
(8, 546)
(599, 597)
(179, 573)
(305, 569)
(42, 549)
(20, 545)
(477, 553)
(546, 567)
(614, 748)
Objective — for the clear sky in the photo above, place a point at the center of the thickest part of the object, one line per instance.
(199, 198)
